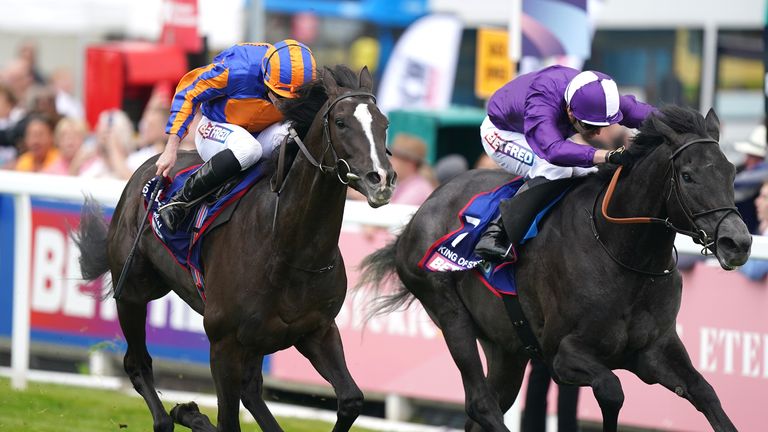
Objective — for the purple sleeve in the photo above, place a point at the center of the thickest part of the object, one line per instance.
(542, 111)
(634, 111)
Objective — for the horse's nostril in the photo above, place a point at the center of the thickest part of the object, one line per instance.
(734, 244)
(726, 243)
(373, 178)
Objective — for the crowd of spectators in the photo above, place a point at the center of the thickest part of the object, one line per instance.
(43, 128)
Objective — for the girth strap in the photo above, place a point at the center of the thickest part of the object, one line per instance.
(522, 326)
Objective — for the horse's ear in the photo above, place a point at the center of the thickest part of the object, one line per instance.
(713, 124)
(366, 82)
(329, 81)
(663, 128)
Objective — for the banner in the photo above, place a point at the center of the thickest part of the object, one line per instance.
(65, 310)
(562, 37)
(555, 27)
(493, 67)
(721, 322)
(180, 20)
(382, 12)
(421, 71)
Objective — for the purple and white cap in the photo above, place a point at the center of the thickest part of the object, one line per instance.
(594, 98)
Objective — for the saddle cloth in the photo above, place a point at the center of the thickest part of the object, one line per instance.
(185, 244)
(455, 250)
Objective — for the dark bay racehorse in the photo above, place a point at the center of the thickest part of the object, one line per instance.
(266, 289)
(589, 312)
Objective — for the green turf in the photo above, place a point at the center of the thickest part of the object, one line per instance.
(54, 408)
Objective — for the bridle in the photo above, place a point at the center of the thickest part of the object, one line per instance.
(698, 234)
(340, 166)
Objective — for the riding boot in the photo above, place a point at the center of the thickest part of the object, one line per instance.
(212, 174)
(502, 237)
(494, 245)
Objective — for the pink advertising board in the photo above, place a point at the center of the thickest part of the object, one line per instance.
(722, 323)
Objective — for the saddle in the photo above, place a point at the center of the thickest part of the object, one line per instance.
(211, 211)
(455, 250)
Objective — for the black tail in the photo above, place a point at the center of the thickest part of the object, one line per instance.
(91, 239)
(377, 269)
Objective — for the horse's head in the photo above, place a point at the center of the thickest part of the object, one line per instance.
(358, 132)
(700, 198)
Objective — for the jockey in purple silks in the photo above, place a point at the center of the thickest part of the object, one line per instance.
(527, 133)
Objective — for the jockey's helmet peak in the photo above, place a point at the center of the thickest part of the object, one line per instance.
(287, 65)
(594, 98)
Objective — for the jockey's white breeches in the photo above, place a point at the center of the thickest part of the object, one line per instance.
(212, 137)
(510, 150)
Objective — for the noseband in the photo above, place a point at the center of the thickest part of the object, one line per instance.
(340, 167)
(698, 234)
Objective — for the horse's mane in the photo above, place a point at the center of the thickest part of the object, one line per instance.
(301, 111)
(681, 119)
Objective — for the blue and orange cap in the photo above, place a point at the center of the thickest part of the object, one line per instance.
(287, 65)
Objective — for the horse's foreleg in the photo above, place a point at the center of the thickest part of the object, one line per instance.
(505, 375)
(251, 394)
(667, 363)
(138, 363)
(573, 364)
(326, 353)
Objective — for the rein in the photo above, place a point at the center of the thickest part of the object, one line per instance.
(697, 234)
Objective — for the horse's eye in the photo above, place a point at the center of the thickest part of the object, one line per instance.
(687, 178)
(340, 124)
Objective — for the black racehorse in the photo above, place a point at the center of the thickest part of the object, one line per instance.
(599, 295)
(267, 288)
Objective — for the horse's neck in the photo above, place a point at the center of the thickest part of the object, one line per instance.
(640, 193)
(310, 209)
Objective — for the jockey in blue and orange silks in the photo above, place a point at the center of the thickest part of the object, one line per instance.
(240, 123)
(527, 131)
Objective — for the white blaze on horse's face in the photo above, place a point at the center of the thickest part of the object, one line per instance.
(363, 115)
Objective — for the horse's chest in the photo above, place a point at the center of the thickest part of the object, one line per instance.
(307, 306)
(294, 309)
(629, 333)
(283, 329)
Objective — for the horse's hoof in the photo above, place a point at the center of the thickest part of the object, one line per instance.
(180, 410)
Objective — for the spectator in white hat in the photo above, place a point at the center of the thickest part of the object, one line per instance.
(754, 147)
(749, 181)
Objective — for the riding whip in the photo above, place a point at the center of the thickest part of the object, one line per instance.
(120, 281)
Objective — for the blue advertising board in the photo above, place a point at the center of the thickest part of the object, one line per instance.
(385, 12)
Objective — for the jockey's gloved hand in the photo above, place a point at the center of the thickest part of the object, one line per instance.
(620, 156)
